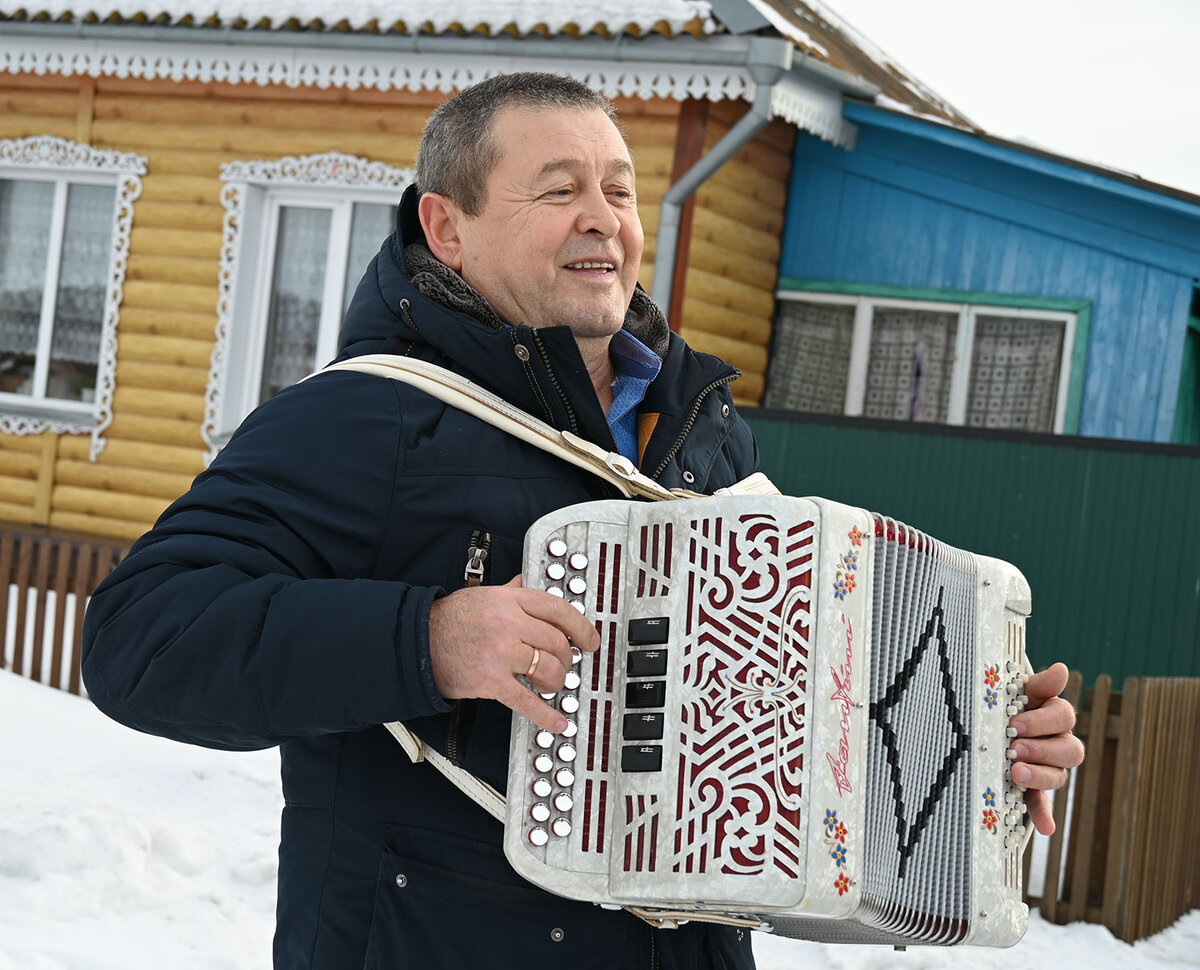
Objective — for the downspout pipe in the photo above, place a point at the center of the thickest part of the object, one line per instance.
(768, 60)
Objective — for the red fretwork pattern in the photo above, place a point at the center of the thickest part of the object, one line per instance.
(742, 717)
(641, 833)
(654, 560)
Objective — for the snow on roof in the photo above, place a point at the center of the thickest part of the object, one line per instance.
(488, 17)
(818, 31)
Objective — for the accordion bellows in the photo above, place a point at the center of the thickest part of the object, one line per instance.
(798, 715)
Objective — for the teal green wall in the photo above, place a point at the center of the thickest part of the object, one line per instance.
(1107, 533)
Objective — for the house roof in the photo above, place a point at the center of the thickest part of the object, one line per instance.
(486, 17)
(815, 30)
(819, 32)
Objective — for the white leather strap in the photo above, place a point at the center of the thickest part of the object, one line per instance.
(468, 396)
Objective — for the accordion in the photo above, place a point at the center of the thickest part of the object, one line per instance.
(798, 717)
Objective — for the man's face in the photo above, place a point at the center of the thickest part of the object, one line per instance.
(558, 242)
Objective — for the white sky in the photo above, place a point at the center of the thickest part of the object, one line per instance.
(1104, 81)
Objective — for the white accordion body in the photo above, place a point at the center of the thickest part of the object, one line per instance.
(798, 714)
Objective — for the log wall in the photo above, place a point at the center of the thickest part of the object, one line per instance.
(733, 264)
(187, 131)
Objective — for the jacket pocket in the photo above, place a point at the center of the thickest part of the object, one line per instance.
(468, 909)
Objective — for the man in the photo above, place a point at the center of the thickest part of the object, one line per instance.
(296, 595)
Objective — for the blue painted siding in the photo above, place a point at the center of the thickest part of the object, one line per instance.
(912, 212)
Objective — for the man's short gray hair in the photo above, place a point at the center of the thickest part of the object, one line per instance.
(458, 148)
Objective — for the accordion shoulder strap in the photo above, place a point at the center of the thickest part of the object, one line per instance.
(466, 395)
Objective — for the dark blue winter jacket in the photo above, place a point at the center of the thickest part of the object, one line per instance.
(284, 600)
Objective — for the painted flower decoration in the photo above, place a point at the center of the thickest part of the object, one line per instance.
(989, 820)
(839, 832)
(992, 676)
(850, 560)
(830, 818)
(842, 885)
(856, 537)
(839, 854)
(840, 590)
(989, 797)
(989, 698)
(851, 582)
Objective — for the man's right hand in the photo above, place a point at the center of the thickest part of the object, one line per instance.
(483, 637)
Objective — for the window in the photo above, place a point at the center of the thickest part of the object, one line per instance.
(298, 235)
(910, 360)
(65, 216)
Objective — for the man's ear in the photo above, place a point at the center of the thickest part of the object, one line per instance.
(440, 218)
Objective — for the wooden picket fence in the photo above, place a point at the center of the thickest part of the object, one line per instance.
(1132, 846)
(48, 578)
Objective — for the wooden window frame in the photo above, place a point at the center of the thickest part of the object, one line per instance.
(253, 195)
(65, 163)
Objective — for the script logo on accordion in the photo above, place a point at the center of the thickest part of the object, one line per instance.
(843, 680)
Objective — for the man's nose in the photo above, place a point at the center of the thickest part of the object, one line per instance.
(596, 214)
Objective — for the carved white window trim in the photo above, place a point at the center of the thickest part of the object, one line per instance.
(244, 197)
(63, 158)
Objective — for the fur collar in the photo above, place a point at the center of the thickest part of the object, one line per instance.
(439, 283)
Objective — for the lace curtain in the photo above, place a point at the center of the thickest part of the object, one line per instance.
(370, 226)
(910, 364)
(1015, 373)
(298, 284)
(810, 357)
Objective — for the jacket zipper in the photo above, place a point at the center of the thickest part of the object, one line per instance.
(691, 419)
(405, 304)
(477, 554)
(574, 429)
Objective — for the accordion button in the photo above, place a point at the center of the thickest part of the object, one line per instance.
(641, 757)
(569, 704)
(539, 811)
(563, 801)
(539, 836)
(570, 730)
(576, 655)
(543, 739)
(577, 585)
(561, 827)
(572, 680)
(555, 571)
(542, 788)
(543, 763)
(578, 561)
(557, 548)
(566, 752)
(556, 591)
(649, 630)
(565, 777)
(578, 604)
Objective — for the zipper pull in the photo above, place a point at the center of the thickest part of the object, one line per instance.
(477, 553)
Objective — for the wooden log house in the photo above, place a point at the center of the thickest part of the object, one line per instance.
(210, 129)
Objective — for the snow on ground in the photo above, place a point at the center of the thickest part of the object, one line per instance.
(119, 850)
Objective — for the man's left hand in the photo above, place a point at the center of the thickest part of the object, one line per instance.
(1045, 747)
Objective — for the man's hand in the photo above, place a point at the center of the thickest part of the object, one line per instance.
(483, 637)
(1044, 745)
